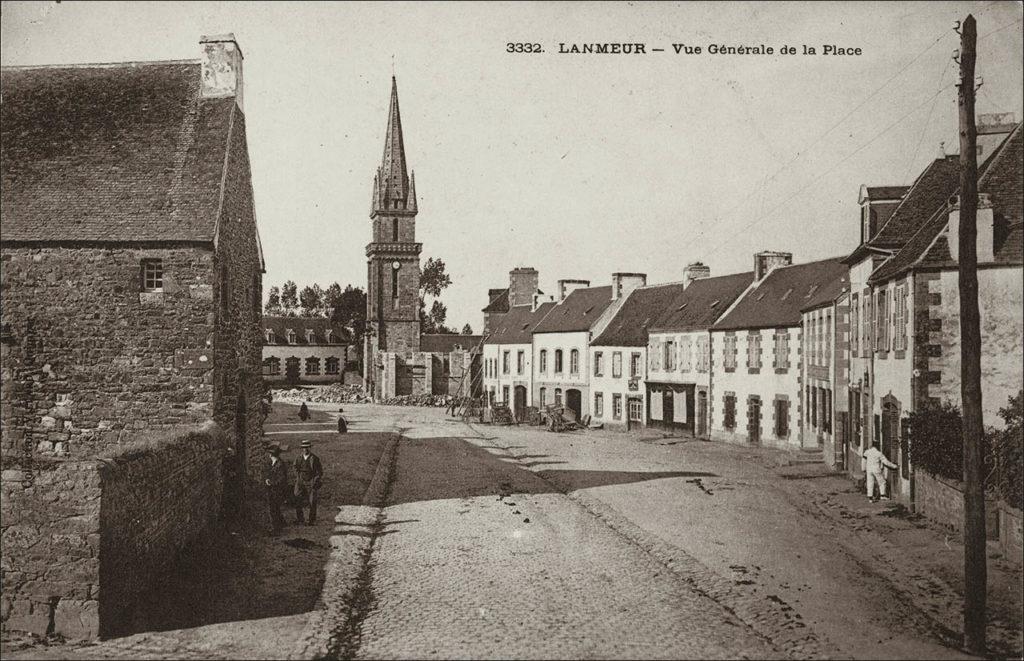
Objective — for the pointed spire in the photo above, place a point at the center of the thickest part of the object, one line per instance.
(411, 205)
(394, 179)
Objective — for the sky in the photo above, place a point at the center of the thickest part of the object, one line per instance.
(577, 165)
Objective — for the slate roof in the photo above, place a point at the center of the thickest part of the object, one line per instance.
(931, 189)
(702, 303)
(448, 342)
(886, 192)
(516, 327)
(1001, 176)
(499, 301)
(578, 312)
(781, 296)
(643, 305)
(319, 326)
(111, 153)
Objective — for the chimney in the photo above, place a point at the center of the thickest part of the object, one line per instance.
(522, 285)
(766, 260)
(695, 271)
(623, 283)
(538, 300)
(222, 67)
(566, 287)
(985, 225)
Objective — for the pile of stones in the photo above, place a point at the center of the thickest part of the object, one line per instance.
(334, 393)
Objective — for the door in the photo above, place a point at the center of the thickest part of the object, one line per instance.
(574, 402)
(890, 437)
(668, 413)
(702, 414)
(754, 419)
(291, 369)
(520, 402)
(688, 395)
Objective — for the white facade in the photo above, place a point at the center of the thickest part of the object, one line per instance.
(679, 367)
(755, 392)
(617, 390)
(561, 365)
(508, 367)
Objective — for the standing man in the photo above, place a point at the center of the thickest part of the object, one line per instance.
(309, 474)
(277, 486)
(874, 460)
(303, 412)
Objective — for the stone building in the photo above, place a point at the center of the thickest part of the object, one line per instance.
(131, 291)
(304, 350)
(679, 343)
(396, 361)
(756, 380)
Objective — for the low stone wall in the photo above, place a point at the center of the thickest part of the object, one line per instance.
(1011, 533)
(942, 501)
(70, 527)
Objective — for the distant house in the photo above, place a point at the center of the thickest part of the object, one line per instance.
(757, 391)
(618, 358)
(679, 376)
(304, 349)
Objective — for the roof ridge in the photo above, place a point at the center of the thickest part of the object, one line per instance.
(95, 65)
(995, 158)
(906, 196)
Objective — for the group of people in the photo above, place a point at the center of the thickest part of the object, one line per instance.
(305, 492)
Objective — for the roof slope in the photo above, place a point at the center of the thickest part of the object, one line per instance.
(886, 192)
(448, 342)
(931, 189)
(781, 296)
(1001, 177)
(578, 312)
(319, 325)
(643, 305)
(700, 304)
(499, 301)
(127, 152)
(516, 327)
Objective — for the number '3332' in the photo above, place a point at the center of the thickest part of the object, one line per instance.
(518, 47)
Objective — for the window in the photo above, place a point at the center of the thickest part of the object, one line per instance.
(543, 396)
(310, 339)
(558, 361)
(271, 366)
(312, 366)
(865, 324)
(504, 394)
(543, 361)
(520, 362)
(685, 355)
(598, 364)
(781, 418)
(558, 396)
(574, 361)
(394, 285)
(617, 406)
(754, 351)
(634, 365)
(616, 364)
(730, 352)
(291, 336)
(729, 414)
(900, 319)
(636, 410)
(855, 323)
(332, 366)
(598, 404)
(703, 354)
(394, 229)
(781, 360)
(152, 275)
(270, 337)
(669, 356)
(826, 338)
(505, 357)
(656, 355)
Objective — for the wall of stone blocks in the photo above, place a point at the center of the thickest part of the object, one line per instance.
(70, 527)
(942, 501)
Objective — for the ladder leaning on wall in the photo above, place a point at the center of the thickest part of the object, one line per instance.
(463, 403)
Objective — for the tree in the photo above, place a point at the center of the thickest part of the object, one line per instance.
(289, 298)
(350, 310)
(433, 280)
(434, 320)
(330, 299)
(310, 300)
(273, 306)
(467, 330)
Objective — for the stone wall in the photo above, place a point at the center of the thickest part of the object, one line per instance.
(70, 527)
(1011, 533)
(942, 501)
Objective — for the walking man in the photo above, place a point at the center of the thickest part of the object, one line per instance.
(309, 474)
(277, 486)
(303, 412)
(874, 460)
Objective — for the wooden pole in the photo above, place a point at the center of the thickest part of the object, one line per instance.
(970, 355)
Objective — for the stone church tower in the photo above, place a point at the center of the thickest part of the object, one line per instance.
(393, 256)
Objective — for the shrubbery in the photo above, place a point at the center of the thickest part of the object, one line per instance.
(1007, 454)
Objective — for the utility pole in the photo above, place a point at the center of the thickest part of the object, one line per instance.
(975, 579)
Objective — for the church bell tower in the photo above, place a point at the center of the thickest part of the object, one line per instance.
(393, 255)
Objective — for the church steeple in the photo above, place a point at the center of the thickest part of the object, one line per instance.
(392, 186)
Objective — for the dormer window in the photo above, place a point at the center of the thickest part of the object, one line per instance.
(291, 336)
(329, 336)
(153, 275)
(309, 336)
(270, 336)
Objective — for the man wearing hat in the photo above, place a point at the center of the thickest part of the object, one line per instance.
(309, 474)
(277, 486)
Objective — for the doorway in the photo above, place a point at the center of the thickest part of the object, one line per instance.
(702, 414)
(668, 408)
(520, 403)
(890, 438)
(754, 419)
(574, 402)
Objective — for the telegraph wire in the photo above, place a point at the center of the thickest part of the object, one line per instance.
(927, 124)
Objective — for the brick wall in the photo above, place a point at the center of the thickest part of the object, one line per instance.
(942, 501)
(70, 527)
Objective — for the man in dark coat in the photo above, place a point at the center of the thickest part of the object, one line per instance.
(309, 474)
(277, 486)
(303, 412)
